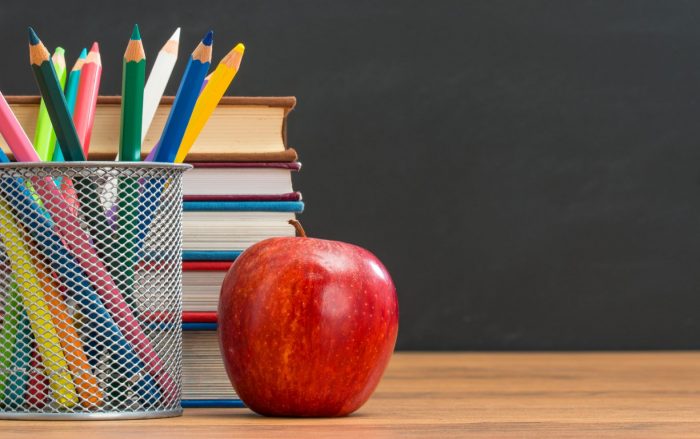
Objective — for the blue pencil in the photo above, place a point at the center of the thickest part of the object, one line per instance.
(186, 97)
(71, 96)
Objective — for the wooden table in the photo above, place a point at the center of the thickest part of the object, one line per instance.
(484, 395)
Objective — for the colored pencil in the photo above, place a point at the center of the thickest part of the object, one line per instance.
(8, 335)
(56, 105)
(16, 385)
(133, 82)
(44, 136)
(71, 92)
(14, 134)
(86, 100)
(185, 99)
(158, 80)
(210, 97)
(85, 382)
(48, 341)
(36, 393)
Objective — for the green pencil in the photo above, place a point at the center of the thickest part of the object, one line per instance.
(44, 135)
(52, 92)
(133, 82)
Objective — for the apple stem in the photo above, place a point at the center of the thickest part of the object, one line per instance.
(298, 228)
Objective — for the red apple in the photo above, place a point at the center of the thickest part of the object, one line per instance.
(306, 326)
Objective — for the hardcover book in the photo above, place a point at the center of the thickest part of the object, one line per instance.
(228, 226)
(240, 181)
(240, 129)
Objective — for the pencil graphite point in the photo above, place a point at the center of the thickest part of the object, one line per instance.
(208, 38)
(135, 34)
(176, 35)
(240, 47)
(59, 51)
(33, 38)
(83, 53)
(95, 47)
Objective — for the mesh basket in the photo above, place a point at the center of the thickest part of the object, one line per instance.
(90, 290)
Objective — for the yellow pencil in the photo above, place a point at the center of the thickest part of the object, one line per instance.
(209, 99)
(47, 341)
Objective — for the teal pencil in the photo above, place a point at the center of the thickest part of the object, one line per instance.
(52, 93)
(71, 93)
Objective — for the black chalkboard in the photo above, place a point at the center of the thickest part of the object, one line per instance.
(528, 171)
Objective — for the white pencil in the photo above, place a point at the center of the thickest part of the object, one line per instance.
(158, 79)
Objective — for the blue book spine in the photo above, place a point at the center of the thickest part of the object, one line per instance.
(192, 326)
(245, 206)
(212, 403)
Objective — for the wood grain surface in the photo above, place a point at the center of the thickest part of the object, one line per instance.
(483, 395)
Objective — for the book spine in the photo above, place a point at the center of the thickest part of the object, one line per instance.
(199, 317)
(199, 326)
(212, 403)
(244, 206)
(291, 196)
(206, 266)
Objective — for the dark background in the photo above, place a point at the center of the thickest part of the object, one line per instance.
(528, 171)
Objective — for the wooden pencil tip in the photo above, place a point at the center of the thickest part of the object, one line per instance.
(208, 38)
(95, 47)
(59, 51)
(240, 48)
(33, 38)
(135, 34)
(83, 53)
(176, 35)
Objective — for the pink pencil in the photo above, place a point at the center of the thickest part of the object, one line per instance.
(14, 134)
(68, 225)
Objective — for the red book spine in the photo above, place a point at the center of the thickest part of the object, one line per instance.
(206, 265)
(199, 317)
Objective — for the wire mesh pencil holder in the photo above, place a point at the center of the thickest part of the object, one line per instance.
(90, 290)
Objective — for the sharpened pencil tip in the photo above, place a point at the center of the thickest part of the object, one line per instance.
(176, 35)
(33, 38)
(95, 47)
(83, 53)
(135, 34)
(208, 38)
(240, 48)
(59, 51)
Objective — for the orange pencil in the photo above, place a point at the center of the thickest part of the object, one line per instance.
(85, 382)
(88, 88)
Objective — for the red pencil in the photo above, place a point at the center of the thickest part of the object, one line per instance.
(86, 101)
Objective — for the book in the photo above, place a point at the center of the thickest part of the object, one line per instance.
(204, 378)
(240, 181)
(240, 129)
(235, 225)
(201, 285)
